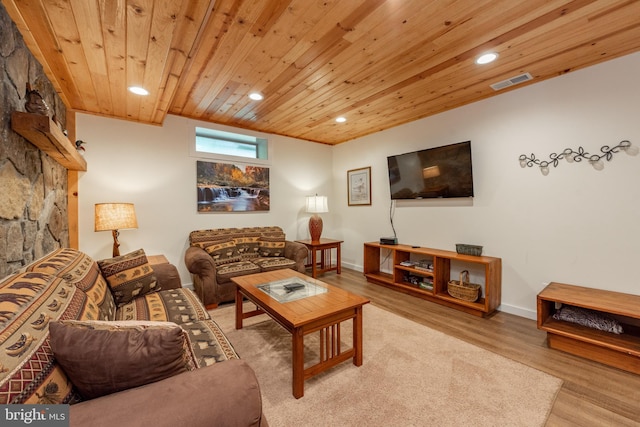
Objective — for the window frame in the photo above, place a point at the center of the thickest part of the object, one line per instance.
(263, 145)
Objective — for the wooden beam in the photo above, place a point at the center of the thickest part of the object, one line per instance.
(72, 190)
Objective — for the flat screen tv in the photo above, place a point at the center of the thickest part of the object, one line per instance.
(440, 172)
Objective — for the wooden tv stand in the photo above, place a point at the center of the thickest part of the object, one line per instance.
(488, 268)
(620, 351)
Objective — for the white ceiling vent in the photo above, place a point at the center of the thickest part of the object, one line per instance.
(512, 81)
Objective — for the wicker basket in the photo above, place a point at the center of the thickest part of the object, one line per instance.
(464, 290)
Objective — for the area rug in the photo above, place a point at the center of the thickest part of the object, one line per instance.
(411, 376)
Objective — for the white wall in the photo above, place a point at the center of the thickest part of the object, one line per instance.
(576, 225)
(150, 166)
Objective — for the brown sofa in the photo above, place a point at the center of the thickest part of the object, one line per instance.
(215, 256)
(59, 320)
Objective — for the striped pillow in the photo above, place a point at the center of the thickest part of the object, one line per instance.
(222, 252)
(247, 245)
(271, 246)
(129, 276)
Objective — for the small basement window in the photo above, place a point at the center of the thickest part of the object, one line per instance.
(216, 143)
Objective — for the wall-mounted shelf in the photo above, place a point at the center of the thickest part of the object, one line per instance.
(42, 132)
(490, 268)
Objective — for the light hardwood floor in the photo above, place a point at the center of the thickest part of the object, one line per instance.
(592, 394)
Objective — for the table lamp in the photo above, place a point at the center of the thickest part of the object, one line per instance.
(114, 217)
(315, 205)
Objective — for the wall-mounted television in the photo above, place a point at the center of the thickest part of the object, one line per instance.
(440, 172)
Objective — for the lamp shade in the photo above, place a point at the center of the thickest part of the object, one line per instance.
(115, 216)
(317, 204)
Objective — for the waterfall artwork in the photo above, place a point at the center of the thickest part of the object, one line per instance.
(227, 187)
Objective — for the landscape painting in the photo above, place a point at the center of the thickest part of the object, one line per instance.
(227, 187)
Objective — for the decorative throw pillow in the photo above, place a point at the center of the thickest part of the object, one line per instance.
(223, 251)
(247, 246)
(271, 246)
(129, 276)
(104, 357)
(589, 318)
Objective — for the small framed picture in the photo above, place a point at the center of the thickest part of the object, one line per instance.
(359, 186)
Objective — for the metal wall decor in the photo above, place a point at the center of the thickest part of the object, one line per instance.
(571, 156)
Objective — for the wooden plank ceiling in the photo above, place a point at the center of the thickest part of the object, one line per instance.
(378, 63)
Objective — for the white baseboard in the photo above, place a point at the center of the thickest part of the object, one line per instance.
(518, 311)
(353, 266)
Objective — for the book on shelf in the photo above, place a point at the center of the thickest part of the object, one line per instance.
(425, 286)
(424, 265)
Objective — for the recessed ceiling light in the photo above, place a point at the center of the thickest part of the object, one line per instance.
(486, 58)
(341, 119)
(256, 96)
(138, 90)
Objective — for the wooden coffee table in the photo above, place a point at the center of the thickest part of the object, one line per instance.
(321, 313)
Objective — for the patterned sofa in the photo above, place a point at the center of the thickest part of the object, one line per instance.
(72, 329)
(215, 256)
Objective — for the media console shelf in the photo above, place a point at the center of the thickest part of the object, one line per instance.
(433, 283)
(621, 351)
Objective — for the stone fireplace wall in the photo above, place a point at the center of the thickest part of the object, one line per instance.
(33, 187)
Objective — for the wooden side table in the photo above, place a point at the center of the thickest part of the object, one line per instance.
(325, 263)
(157, 259)
(168, 276)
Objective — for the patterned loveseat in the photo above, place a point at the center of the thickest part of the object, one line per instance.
(118, 334)
(215, 256)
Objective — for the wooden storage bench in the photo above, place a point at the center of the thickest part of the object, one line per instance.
(621, 351)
